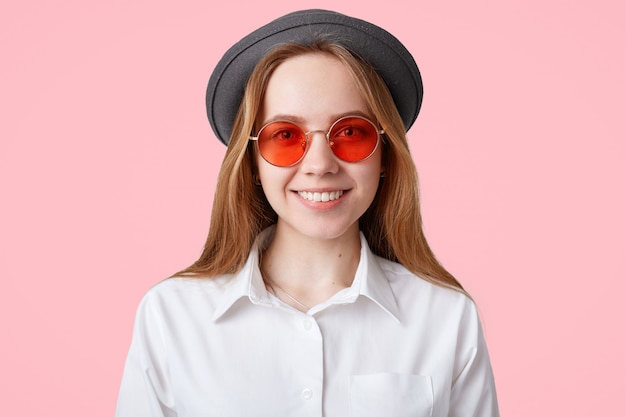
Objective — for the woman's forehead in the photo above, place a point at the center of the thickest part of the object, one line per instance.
(311, 87)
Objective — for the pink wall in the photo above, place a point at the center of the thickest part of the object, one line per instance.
(108, 165)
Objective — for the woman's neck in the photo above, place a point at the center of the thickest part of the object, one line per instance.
(309, 269)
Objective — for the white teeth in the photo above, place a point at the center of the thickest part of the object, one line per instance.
(325, 196)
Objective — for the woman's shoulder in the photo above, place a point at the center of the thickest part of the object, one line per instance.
(184, 293)
(408, 285)
(183, 284)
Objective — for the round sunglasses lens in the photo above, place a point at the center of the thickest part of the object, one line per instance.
(353, 139)
(281, 143)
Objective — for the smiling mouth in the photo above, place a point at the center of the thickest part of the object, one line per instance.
(323, 196)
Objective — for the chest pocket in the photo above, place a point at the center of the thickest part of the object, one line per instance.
(385, 395)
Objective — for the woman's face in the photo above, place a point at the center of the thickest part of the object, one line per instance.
(313, 91)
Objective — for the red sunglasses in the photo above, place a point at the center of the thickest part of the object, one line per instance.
(351, 138)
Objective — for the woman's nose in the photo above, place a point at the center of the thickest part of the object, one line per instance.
(319, 158)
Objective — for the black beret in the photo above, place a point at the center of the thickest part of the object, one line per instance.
(375, 45)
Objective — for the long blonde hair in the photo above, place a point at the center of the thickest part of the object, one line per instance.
(392, 224)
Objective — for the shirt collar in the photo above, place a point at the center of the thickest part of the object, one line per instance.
(248, 282)
(370, 281)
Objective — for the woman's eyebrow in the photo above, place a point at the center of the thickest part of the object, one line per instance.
(284, 117)
(301, 120)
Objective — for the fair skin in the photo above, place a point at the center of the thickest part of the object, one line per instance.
(316, 248)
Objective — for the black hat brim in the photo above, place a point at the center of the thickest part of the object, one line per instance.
(379, 48)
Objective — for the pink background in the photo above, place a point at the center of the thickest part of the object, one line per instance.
(108, 165)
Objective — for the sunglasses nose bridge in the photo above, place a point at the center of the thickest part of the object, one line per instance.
(308, 135)
(311, 132)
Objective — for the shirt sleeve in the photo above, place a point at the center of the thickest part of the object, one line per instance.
(473, 392)
(145, 389)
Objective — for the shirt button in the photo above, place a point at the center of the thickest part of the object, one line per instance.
(307, 324)
(307, 393)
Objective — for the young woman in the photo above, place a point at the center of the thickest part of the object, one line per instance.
(316, 293)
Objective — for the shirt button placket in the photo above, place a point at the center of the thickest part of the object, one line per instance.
(307, 324)
(311, 356)
(307, 394)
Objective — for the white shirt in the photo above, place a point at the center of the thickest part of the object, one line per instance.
(390, 345)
